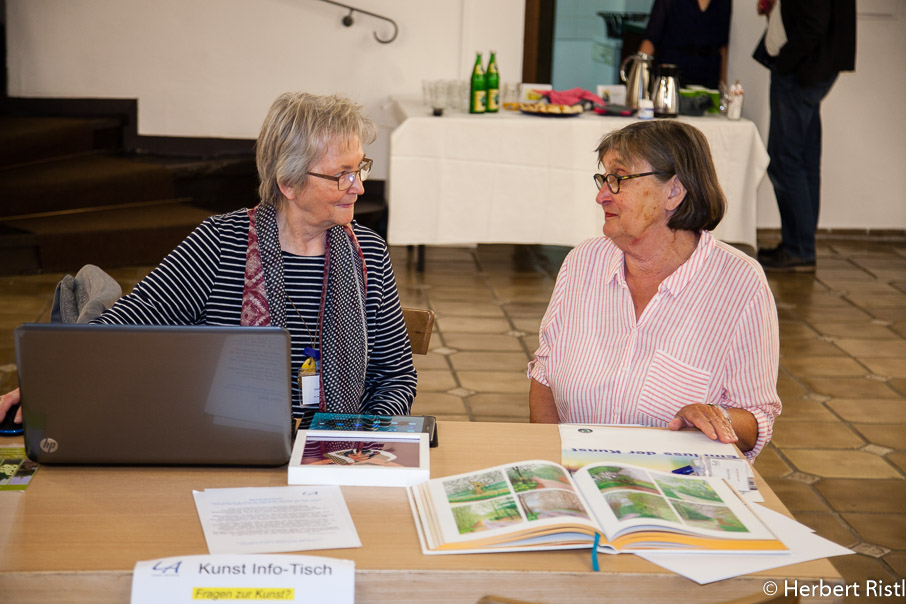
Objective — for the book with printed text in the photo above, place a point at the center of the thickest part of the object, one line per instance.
(653, 448)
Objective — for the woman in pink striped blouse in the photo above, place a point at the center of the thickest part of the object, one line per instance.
(657, 323)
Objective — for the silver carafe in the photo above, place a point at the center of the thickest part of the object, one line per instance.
(666, 92)
(638, 78)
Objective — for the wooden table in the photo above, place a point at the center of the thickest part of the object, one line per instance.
(77, 532)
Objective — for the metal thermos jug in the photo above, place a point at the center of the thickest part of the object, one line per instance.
(666, 91)
(638, 78)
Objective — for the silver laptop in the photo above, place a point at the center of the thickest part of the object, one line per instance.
(94, 394)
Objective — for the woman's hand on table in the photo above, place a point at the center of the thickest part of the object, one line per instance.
(726, 424)
(7, 401)
(713, 421)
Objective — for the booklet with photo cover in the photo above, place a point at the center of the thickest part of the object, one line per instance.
(352, 458)
(684, 451)
(537, 505)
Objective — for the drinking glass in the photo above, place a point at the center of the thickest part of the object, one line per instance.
(511, 95)
(437, 95)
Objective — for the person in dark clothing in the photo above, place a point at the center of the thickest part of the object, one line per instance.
(693, 35)
(807, 46)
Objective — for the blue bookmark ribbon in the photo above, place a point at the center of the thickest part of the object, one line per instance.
(594, 554)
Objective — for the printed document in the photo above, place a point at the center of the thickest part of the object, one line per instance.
(258, 520)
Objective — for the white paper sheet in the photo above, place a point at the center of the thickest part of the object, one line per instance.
(257, 520)
(803, 543)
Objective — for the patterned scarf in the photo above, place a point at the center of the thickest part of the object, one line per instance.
(342, 326)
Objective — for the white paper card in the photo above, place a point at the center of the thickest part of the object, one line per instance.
(734, 471)
(612, 94)
(311, 390)
(803, 544)
(256, 520)
(262, 578)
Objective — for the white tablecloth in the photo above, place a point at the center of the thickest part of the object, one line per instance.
(514, 178)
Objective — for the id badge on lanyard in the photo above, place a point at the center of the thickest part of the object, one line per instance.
(310, 378)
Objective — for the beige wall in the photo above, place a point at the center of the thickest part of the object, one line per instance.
(212, 67)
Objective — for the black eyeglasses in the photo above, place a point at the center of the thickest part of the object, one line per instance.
(613, 181)
(347, 179)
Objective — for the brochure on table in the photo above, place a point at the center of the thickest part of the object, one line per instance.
(351, 458)
(246, 578)
(656, 449)
(254, 520)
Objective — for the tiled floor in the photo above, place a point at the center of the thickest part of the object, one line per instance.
(838, 459)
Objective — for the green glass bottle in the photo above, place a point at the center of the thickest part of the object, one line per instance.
(493, 79)
(478, 90)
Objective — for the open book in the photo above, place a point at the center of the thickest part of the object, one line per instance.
(537, 505)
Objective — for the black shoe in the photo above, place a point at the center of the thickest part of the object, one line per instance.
(769, 253)
(782, 260)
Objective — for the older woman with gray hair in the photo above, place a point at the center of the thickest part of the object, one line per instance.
(296, 260)
(657, 323)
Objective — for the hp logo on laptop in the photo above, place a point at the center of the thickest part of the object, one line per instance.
(49, 445)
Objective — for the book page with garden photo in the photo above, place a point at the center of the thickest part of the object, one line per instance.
(537, 505)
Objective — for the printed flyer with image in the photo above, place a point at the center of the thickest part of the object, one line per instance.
(16, 470)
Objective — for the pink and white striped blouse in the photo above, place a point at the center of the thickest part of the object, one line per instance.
(709, 335)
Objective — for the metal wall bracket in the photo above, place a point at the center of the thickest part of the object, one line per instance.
(348, 20)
